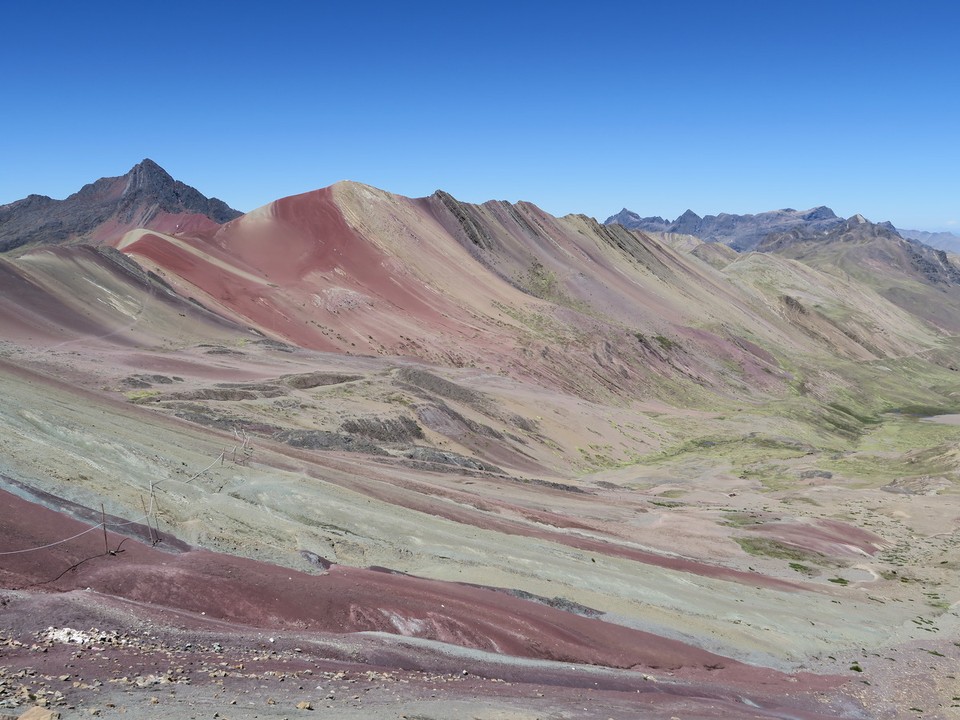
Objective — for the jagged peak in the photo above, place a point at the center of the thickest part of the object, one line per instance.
(821, 212)
(150, 166)
(148, 173)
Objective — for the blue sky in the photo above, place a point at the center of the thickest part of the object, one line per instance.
(587, 107)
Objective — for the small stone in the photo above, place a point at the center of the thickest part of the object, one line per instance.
(304, 705)
(39, 713)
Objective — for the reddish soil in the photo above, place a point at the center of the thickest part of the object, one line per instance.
(193, 223)
(270, 288)
(827, 537)
(229, 598)
(29, 310)
(342, 600)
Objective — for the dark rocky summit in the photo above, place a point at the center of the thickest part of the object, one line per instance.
(132, 200)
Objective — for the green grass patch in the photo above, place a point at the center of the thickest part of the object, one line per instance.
(666, 343)
(739, 519)
(920, 410)
(666, 503)
(764, 547)
(141, 396)
(859, 417)
(672, 493)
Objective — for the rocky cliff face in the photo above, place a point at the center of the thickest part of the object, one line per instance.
(147, 196)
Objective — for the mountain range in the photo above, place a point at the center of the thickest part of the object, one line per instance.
(940, 240)
(741, 232)
(352, 429)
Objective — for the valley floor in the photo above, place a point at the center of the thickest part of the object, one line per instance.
(508, 558)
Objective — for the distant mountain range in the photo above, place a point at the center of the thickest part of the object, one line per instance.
(860, 247)
(148, 197)
(318, 251)
(145, 197)
(173, 229)
(768, 229)
(941, 240)
(741, 232)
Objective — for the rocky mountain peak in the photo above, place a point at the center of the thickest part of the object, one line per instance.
(821, 212)
(631, 220)
(135, 199)
(688, 216)
(147, 174)
(688, 223)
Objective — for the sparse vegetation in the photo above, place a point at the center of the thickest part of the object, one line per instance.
(770, 548)
(142, 396)
(666, 343)
(740, 519)
(666, 503)
(541, 282)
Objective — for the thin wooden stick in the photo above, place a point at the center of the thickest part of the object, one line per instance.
(103, 521)
(147, 515)
(156, 509)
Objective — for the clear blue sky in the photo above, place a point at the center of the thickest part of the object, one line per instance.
(582, 107)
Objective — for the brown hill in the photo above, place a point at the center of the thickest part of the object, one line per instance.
(357, 270)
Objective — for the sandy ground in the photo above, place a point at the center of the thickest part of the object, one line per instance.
(944, 419)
